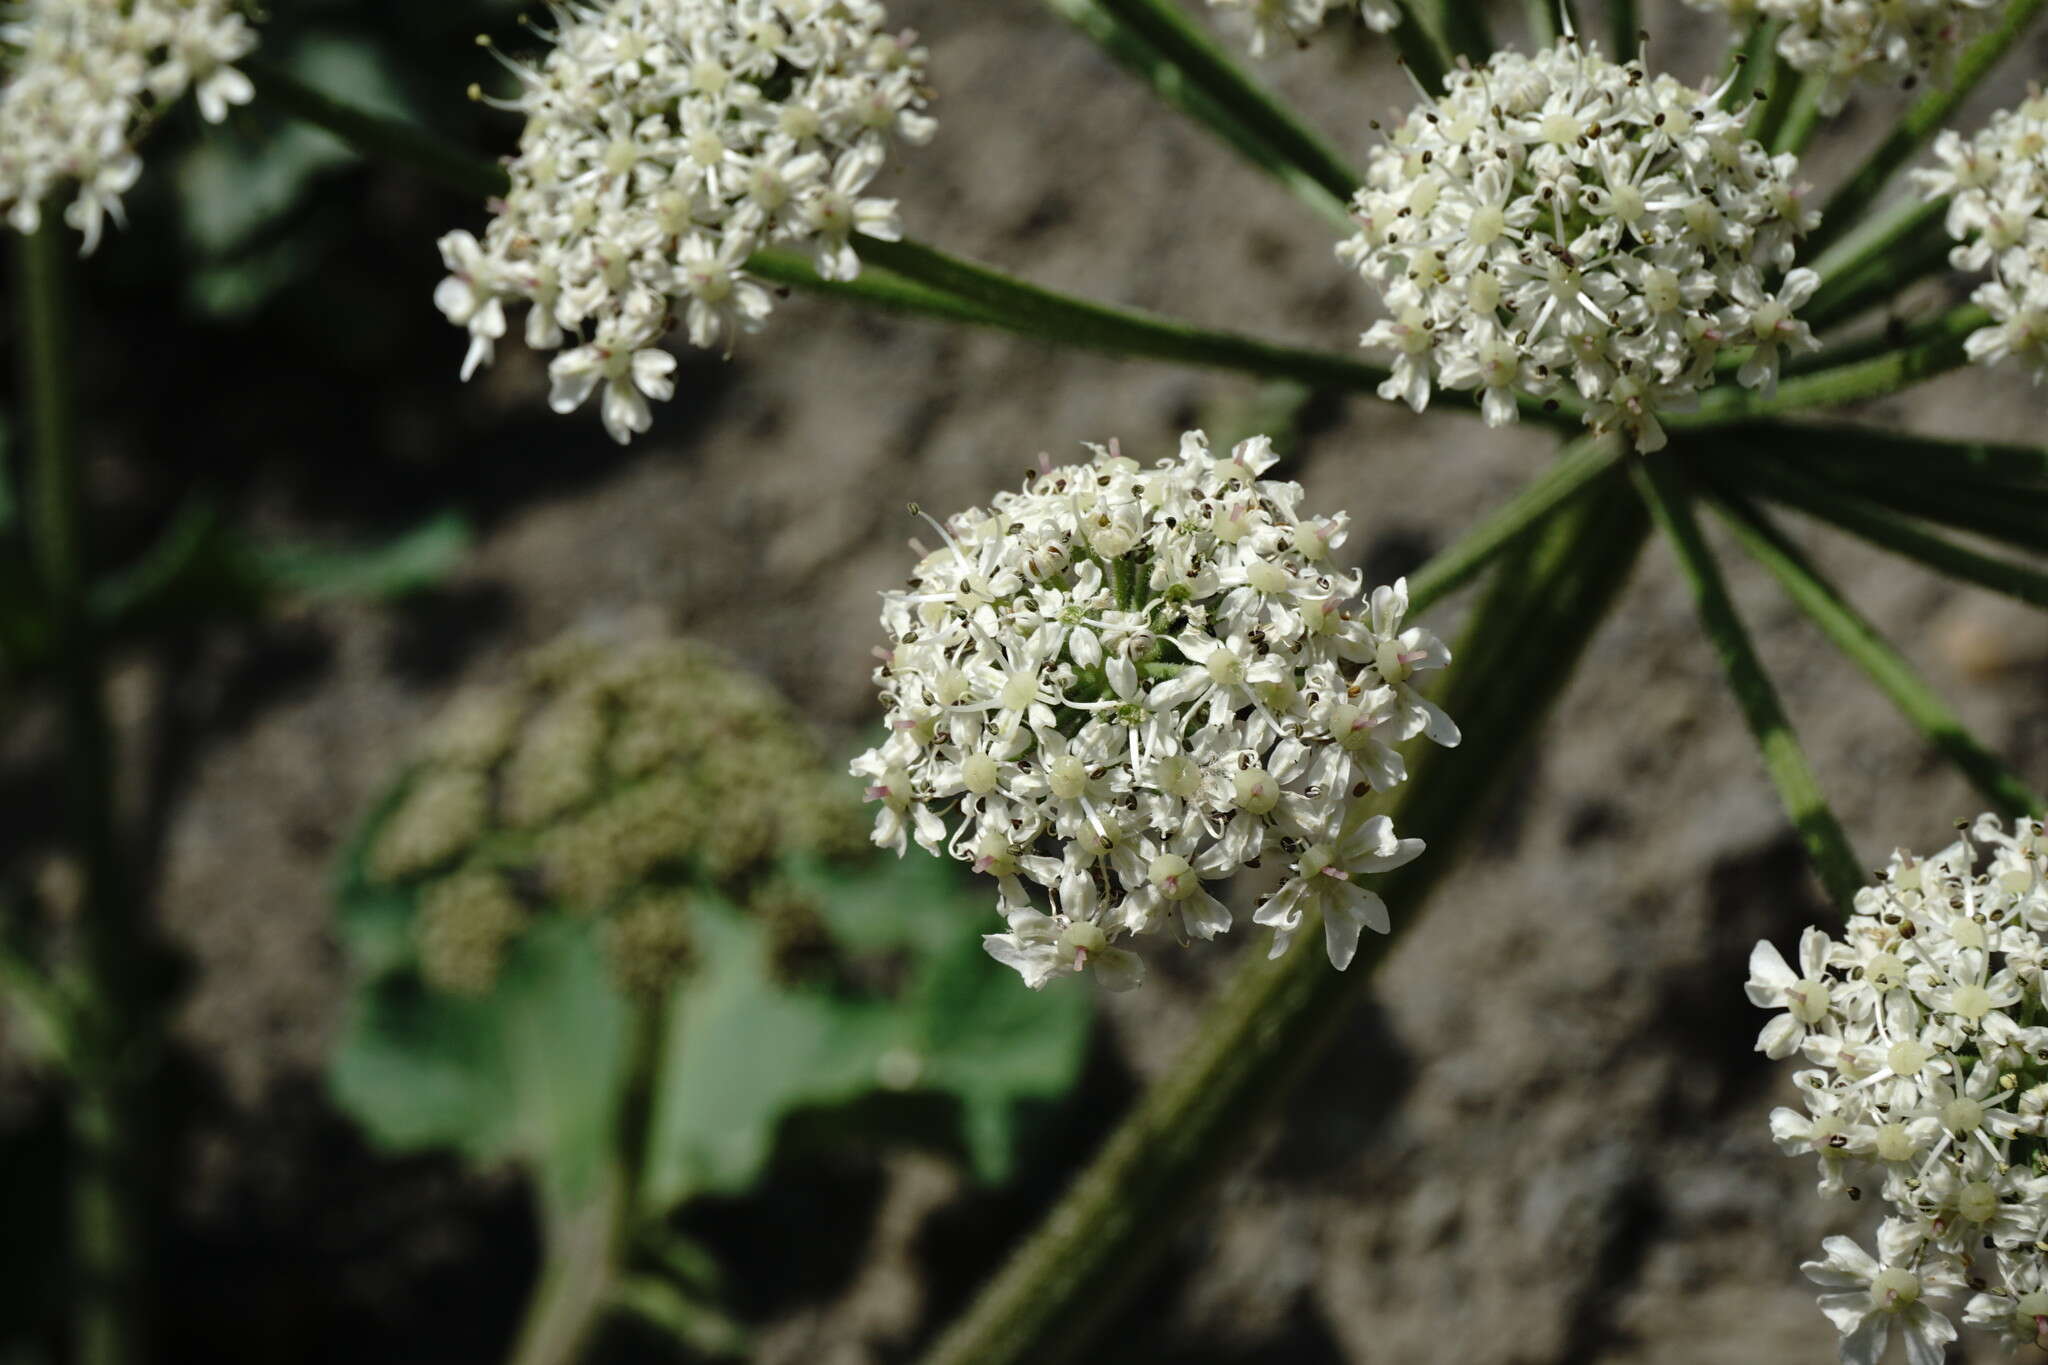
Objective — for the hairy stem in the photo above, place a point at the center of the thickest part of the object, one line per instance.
(112, 1055)
(1098, 1243)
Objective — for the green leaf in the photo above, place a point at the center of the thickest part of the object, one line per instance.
(533, 1072)
(199, 567)
(744, 1053)
(417, 559)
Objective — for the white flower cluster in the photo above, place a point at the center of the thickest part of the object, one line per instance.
(1562, 218)
(1869, 41)
(1927, 1035)
(1997, 183)
(86, 78)
(665, 141)
(1296, 21)
(1122, 683)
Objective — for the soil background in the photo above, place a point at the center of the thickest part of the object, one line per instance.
(1541, 1139)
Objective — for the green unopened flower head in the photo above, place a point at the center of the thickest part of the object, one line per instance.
(612, 783)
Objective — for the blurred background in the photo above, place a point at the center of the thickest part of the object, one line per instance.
(1542, 1137)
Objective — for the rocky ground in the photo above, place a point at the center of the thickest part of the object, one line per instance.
(1541, 1139)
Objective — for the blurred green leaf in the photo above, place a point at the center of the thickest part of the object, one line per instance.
(201, 567)
(744, 1052)
(532, 1072)
(417, 559)
(237, 188)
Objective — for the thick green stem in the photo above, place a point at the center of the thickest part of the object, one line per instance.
(113, 1052)
(578, 1275)
(1106, 1233)
(1920, 123)
(1862, 642)
(1670, 500)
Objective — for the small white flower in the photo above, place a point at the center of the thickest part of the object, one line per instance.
(1926, 1087)
(1899, 42)
(87, 79)
(1563, 219)
(1865, 1298)
(1997, 183)
(631, 374)
(666, 142)
(1296, 21)
(1124, 684)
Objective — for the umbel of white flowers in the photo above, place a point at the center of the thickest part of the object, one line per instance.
(1926, 1047)
(1997, 183)
(1563, 219)
(665, 141)
(84, 81)
(1297, 21)
(1121, 683)
(1866, 41)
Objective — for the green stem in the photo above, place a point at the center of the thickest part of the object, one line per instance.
(921, 280)
(1624, 28)
(1899, 534)
(1167, 27)
(1542, 19)
(1771, 81)
(1108, 1230)
(1174, 84)
(1939, 350)
(113, 1052)
(1827, 846)
(1066, 321)
(1802, 115)
(1886, 253)
(1423, 53)
(1750, 66)
(1856, 637)
(578, 1275)
(2014, 513)
(1459, 25)
(1920, 123)
(375, 134)
(1582, 462)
